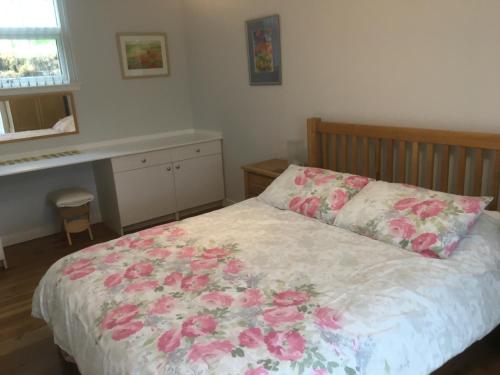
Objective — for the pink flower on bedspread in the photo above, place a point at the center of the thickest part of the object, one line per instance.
(234, 267)
(173, 279)
(286, 346)
(313, 172)
(323, 180)
(405, 203)
(257, 371)
(81, 273)
(217, 299)
(326, 317)
(159, 253)
(203, 264)
(120, 315)
(113, 280)
(198, 326)
(112, 258)
(169, 341)
(429, 254)
(215, 252)
(251, 298)
(162, 305)
(424, 242)
(291, 298)
(357, 182)
(175, 233)
(282, 315)
(402, 228)
(139, 270)
(78, 265)
(186, 252)
(194, 283)
(123, 242)
(428, 208)
(338, 199)
(141, 286)
(124, 331)
(152, 232)
(470, 204)
(211, 350)
(251, 338)
(141, 244)
(300, 180)
(320, 371)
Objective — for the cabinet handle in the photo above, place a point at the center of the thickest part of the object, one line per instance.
(177, 167)
(169, 169)
(143, 161)
(198, 150)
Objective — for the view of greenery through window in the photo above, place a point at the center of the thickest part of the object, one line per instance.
(29, 58)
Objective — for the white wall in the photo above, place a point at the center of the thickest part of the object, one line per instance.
(427, 63)
(107, 106)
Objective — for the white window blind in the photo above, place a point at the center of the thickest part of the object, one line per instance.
(33, 44)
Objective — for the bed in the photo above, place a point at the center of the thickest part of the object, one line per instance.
(251, 289)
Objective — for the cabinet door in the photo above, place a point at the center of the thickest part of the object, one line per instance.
(199, 181)
(145, 193)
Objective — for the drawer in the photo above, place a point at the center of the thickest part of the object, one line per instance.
(258, 180)
(254, 190)
(193, 151)
(147, 159)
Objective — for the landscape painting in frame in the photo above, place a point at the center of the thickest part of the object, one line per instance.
(264, 51)
(143, 55)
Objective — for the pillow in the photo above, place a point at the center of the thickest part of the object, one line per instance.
(420, 220)
(313, 192)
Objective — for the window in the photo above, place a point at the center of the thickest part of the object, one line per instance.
(33, 47)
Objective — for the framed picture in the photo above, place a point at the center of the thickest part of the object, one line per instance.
(264, 51)
(143, 54)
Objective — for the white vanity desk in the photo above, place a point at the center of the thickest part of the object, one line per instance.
(144, 178)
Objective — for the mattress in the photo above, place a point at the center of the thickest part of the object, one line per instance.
(252, 290)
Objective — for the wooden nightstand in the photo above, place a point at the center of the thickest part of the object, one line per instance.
(260, 175)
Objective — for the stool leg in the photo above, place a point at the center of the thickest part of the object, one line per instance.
(90, 233)
(68, 235)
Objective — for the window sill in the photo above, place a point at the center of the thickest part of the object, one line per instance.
(40, 90)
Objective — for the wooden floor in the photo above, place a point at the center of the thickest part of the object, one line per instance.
(26, 345)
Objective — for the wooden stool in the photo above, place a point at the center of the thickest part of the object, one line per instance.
(74, 208)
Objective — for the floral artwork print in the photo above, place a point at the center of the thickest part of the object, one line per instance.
(195, 305)
(313, 192)
(420, 220)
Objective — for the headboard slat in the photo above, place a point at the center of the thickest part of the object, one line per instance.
(453, 161)
(402, 161)
(445, 168)
(414, 163)
(390, 160)
(461, 170)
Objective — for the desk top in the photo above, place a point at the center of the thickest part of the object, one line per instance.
(103, 150)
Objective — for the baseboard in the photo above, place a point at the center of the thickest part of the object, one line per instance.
(38, 232)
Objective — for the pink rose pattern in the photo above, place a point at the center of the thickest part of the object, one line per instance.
(420, 220)
(195, 302)
(320, 193)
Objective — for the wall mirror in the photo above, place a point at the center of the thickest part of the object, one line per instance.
(24, 117)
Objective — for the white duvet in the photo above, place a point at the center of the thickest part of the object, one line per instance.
(254, 290)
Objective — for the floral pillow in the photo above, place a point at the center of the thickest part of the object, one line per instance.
(313, 192)
(424, 221)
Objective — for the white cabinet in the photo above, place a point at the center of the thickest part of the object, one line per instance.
(145, 193)
(141, 187)
(198, 181)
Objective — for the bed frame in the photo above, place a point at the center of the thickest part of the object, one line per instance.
(450, 161)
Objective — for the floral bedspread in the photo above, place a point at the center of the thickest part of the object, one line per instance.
(254, 290)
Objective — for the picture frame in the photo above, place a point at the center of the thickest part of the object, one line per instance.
(264, 50)
(143, 55)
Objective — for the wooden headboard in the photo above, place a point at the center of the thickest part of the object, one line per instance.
(456, 162)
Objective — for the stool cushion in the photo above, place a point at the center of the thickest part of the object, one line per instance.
(73, 197)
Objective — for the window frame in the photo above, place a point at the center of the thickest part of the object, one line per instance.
(61, 35)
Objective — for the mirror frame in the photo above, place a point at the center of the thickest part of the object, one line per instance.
(73, 110)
